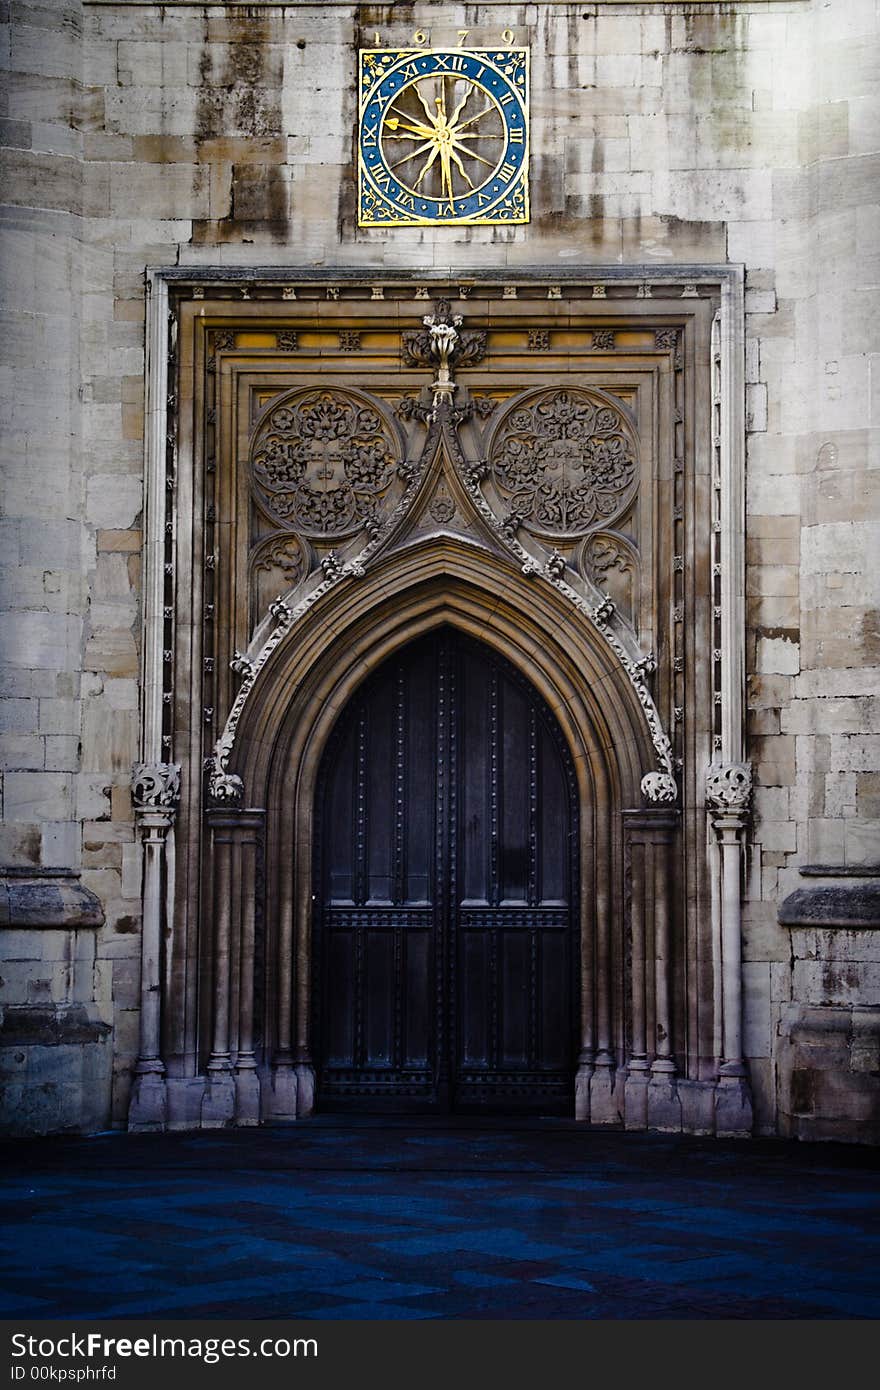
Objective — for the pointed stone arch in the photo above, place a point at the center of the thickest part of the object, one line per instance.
(307, 682)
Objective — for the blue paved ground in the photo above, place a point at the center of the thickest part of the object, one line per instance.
(376, 1219)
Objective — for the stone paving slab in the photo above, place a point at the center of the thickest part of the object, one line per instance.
(371, 1219)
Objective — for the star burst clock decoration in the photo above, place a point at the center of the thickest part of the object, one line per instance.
(443, 137)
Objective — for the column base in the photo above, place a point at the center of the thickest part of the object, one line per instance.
(218, 1102)
(305, 1090)
(733, 1108)
(605, 1098)
(148, 1108)
(247, 1096)
(279, 1095)
(664, 1105)
(635, 1099)
(582, 1092)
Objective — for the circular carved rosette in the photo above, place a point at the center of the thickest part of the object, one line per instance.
(565, 461)
(322, 461)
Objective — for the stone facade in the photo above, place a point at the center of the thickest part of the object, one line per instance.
(665, 136)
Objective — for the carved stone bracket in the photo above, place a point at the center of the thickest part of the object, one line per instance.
(660, 788)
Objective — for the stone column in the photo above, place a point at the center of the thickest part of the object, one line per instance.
(638, 855)
(664, 1105)
(249, 833)
(728, 791)
(604, 1093)
(155, 792)
(232, 1092)
(651, 1093)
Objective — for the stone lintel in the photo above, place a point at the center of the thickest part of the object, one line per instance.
(852, 907)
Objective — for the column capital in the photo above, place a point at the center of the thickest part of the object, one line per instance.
(155, 787)
(729, 787)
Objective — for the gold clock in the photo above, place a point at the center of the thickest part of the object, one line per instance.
(443, 137)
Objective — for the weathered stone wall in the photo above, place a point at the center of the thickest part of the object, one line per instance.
(141, 134)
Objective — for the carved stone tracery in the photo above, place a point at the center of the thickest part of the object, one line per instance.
(565, 460)
(322, 461)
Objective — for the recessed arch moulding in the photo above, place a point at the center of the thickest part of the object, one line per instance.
(390, 471)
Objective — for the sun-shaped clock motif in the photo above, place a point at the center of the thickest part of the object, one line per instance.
(444, 136)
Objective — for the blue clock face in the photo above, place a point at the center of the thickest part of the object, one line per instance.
(444, 136)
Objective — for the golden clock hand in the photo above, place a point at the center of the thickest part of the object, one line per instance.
(479, 116)
(394, 121)
(441, 100)
(460, 107)
(459, 166)
(428, 112)
(419, 150)
(445, 171)
(428, 162)
(472, 154)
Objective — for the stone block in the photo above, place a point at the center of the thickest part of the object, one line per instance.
(774, 760)
(62, 753)
(778, 655)
(38, 796)
(114, 653)
(59, 716)
(825, 841)
(49, 641)
(840, 794)
(109, 739)
(823, 1091)
(756, 1008)
(862, 841)
(773, 494)
(19, 716)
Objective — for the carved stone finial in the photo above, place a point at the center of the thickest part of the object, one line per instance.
(444, 345)
(659, 788)
(729, 786)
(605, 610)
(155, 786)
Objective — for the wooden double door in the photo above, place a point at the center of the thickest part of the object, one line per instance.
(445, 946)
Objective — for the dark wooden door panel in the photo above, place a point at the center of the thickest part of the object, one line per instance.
(444, 951)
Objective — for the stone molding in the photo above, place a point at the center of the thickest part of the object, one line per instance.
(45, 899)
(855, 908)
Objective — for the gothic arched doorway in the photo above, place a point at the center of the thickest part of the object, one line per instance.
(446, 942)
